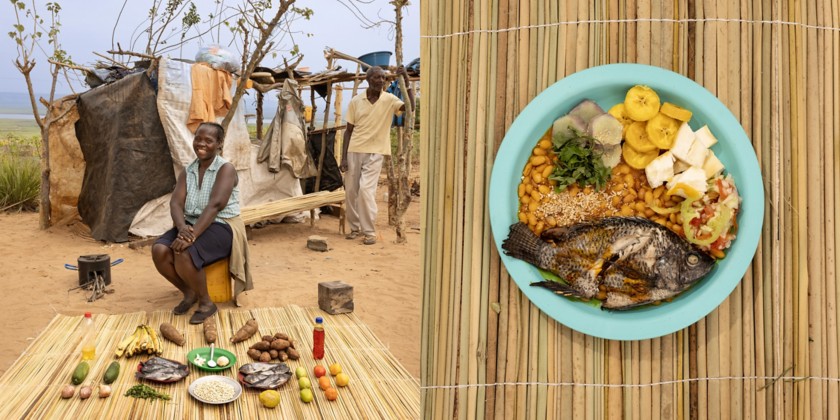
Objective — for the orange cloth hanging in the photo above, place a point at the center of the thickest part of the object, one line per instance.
(210, 95)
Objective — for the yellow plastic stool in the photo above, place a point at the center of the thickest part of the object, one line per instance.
(218, 281)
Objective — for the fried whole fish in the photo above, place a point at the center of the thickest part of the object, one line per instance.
(158, 369)
(265, 375)
(635, 260)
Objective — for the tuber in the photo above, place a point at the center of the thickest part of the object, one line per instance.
(281, 335)
(255, 354)
(169, 332)
(279, 344)
(268, 338)
(261, 346)
(273, 353)
(84, 392)
(244, 333)
(265, 357)
(282, 356)
(293, 354)
(210, 334)
(104, 391)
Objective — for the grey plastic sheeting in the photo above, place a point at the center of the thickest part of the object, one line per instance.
(127, 157)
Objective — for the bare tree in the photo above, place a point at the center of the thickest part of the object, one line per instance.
(399, 166)
(28, 32)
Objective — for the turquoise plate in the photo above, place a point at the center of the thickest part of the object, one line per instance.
(607, 85)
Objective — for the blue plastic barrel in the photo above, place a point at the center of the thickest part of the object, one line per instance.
(378, 58)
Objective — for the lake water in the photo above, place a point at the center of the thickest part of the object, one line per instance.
(17, 117)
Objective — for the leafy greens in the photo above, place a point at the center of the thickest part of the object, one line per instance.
(578, 162)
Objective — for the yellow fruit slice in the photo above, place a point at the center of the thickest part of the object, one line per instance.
(619, 112)
(637, 137)
(662, 130)
(641, 103)
(636, 159)
(687, 191)
(676, 112)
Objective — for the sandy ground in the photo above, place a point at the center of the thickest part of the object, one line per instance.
(385, 277)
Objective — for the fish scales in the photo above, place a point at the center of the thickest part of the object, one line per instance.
(635, 261)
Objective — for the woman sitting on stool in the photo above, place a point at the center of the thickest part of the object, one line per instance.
(205, 195)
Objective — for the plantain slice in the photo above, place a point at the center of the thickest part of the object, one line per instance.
(619, 112)
(637, 137)
(641, 103)
(676, 112)
(662, 130)
(636, 159)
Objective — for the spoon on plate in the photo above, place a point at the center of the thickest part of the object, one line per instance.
(211, 362)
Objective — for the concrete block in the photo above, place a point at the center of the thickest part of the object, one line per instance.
(335, 297)
(317, 243)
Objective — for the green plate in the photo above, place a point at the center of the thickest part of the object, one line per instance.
(205, 353)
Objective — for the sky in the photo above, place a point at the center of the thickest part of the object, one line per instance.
(87, 27)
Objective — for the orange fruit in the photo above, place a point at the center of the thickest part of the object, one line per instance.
(324, 382)
(342, 379)
(335, 369)
(331, 394)
(320, 371)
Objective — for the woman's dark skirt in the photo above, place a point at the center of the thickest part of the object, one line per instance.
(213, 245)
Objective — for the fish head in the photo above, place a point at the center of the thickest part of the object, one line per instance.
(683, 268)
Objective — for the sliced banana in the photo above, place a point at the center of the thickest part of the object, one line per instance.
(641, 103)
(619, 112)
(636, 159)
(662, 130)
(676, 112)
(637, 137)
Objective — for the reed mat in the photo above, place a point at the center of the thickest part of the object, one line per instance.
(379, 386)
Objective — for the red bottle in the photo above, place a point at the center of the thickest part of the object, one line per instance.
(318, 339)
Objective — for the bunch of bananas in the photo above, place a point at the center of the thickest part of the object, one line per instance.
(144, 340)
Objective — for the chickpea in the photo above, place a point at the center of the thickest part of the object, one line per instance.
(648, 196)
(533, 205)
(540, 227)
(523, 217)
(521, 190)
(623, 169)
(525, 199)
(669, 203)
(544, 144)
(573, 189)
(527, 170)
(630, 181)
(649, 213)
(551, 221)
(537, 177)
(617, 187)
(532, 220)
(546, 172)
(626, 210)
(615, 201)
(544, 189)
(657, 192)
(535, 195)
(528, 188)
(537, 160)
(641, 207)
(629, 198)
(678, 229)
(539, 151)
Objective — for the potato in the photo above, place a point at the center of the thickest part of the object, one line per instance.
(265, 357)
(281, 335)
(282, 356)
(274, 353)
(84, 392)
(292, 353)
(268, 338)
(68, 391)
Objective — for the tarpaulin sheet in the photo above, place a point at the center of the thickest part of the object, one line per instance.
(127, 158)
(331, 179)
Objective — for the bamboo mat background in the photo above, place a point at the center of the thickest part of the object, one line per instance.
(770, 350)
(379, 386)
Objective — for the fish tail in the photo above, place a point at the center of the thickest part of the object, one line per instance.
(559, 288)
(523, 244)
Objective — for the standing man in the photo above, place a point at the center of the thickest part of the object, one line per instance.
(367, 139)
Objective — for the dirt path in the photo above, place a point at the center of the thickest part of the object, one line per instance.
(385, 277)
